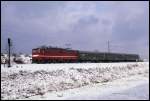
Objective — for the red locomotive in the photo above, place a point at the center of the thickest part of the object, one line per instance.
(51, 54)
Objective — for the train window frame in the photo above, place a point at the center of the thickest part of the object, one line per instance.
(38, 50)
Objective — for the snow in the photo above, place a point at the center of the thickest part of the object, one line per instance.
(60, 66)
(126, 88)
(26, 81)
(15, 59)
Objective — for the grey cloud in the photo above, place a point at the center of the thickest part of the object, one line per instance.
(106, 22)
(88, 20)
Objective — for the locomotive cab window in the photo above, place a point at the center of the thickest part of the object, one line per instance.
(34, 51)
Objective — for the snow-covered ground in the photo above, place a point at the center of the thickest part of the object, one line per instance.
(131, 88)
(56, 81)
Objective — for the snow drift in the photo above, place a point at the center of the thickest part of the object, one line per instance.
(22, 83)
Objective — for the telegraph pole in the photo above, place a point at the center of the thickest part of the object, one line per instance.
(108, 47)
(9, 45)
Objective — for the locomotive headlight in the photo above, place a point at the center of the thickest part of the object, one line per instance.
(35, 55)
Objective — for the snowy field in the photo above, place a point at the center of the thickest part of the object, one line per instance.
(76, 81)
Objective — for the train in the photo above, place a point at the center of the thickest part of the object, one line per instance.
(63, 55)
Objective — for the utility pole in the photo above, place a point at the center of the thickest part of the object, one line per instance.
(108, 47)
(9, 45)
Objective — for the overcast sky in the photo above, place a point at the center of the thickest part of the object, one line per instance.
(85, 25)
